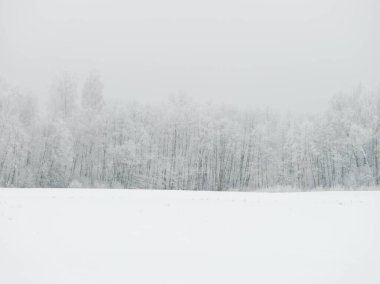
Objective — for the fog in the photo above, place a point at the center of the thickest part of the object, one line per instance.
(290, 55)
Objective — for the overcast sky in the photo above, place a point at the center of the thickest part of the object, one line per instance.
(293, 54)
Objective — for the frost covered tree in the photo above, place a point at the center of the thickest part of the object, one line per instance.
(92, 93)
(64, 96)
(181, 144)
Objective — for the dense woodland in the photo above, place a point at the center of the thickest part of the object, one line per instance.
(82, 141)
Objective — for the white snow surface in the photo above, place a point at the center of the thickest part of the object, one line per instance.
(143, 236)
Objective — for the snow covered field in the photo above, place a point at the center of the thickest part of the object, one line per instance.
(126, 236)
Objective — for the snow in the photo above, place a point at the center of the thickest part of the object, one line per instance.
(140, 236)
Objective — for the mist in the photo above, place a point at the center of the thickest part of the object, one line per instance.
(292, 55)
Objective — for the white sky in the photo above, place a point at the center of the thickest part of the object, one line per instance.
(294, 54)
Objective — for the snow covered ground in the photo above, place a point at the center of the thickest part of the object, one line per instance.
(127, 236)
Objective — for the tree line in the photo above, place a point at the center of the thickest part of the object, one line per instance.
(82, 141)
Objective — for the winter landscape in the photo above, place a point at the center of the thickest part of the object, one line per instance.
(193, 141)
